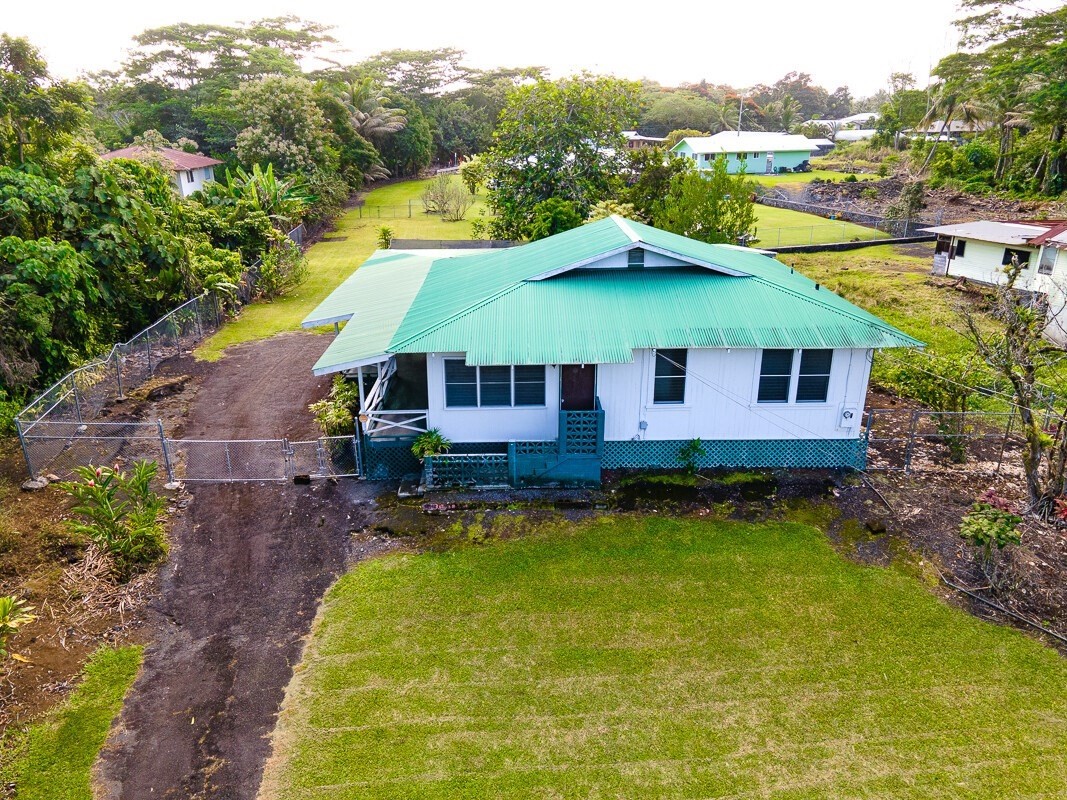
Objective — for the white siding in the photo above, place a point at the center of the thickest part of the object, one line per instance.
(720, 400)
(981, 261)
(490, 424)
(200, 176)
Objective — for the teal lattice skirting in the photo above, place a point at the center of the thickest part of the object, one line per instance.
(740, 454)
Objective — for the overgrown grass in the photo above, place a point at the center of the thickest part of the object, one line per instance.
(332, 260)
(53, 759)
(897, 288)
(653, 657)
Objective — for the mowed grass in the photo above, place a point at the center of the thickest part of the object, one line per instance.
(53, 759)
(336, 257)
(780, 227)
(651, 657)
(801, 178)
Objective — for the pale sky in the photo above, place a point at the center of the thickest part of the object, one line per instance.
(741, 43)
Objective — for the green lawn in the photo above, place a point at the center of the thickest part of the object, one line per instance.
(335, 258)
(800, 178)
(780, 227)
(654, 657)
(53, 759)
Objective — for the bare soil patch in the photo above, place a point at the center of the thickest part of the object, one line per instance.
(248, 565)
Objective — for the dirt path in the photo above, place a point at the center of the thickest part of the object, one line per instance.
(248, 566)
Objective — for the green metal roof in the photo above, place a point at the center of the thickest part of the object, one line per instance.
(534, 304)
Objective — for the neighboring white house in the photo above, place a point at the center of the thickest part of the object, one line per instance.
(980, 251)
(953, 131)
(760, 152)
(189, 171)
(611, 345)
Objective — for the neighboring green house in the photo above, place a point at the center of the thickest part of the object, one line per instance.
(611, 345)
(761, 153)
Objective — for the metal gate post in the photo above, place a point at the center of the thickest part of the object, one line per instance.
(25, 449)
(911, 441)
(148, 344)
(229, 466)
(77, 402)
(166, 453)
(287, 460)
(118, 374)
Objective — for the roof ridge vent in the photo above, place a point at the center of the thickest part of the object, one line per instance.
(624, 226)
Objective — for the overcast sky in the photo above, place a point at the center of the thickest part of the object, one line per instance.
(855, 44)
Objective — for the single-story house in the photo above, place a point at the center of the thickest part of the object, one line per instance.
(953, 131)
(637, 141)
(980, 251)
(189, 171)
(608, 346)
(760, 152)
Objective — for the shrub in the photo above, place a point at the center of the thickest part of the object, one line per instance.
(689, 453)
(430, 443)
(457, 202)
(284, 268)
(990, 524)
(336, 413)
(14, 613)
(385, 237)
(120, 513)
(850, 179)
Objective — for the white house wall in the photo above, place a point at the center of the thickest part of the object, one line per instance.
(493, 424)
(720, 403)
(720, 400)
(981, 261)
(201, 176)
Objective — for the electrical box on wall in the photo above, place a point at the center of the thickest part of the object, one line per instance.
(849, 417)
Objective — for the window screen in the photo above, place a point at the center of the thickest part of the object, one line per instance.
(461, 383)
(775, 371)
(530, 386)
(961, 248)
(670, 376)
(814, 379)
(495, 386)
(635, 257)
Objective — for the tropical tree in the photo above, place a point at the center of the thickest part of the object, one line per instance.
(953, 99)
(562, 140)
(715, 208)
(372, 115)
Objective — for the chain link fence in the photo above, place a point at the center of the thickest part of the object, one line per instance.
(915, 440)
(72, 423)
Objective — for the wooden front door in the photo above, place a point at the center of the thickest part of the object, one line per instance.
(577, 390)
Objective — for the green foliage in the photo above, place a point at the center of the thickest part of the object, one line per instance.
(120, 513)
(283, 201)
(557, 140)
(472, 173)
(690, 453)
(336, 413)
(283, 269)
(715, 208)
(652, 170)
(987, 526)
(553, 216)
(607, 208)
(14, 614)
(385, 237)
(410, 150)
(430, 443)
(908, 203)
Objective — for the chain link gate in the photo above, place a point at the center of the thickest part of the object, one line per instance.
(239, 460)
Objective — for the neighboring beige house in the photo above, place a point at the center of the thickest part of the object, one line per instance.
(635, 141)
(189, 171)
(980, 251)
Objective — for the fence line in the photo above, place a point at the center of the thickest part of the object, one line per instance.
(66, 426)
(894, 227)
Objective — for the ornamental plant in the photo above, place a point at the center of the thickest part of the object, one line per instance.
(120, 513)
(14, 613)
(990, 525)
(430, 443)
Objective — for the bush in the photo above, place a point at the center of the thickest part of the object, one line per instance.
(284, 268)
(336, 414)
(385, 237)
(991, 523)
(121, 514)
(430, 443)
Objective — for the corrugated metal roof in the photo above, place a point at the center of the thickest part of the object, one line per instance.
(984, 230)
(749, 141)
(499, 307)
(179, 159)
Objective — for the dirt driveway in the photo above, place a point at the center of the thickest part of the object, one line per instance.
(248, 566)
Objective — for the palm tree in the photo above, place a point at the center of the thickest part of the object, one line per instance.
(950, 102)
(372, 116)
(785, 112)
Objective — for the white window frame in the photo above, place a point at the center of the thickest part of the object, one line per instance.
(794, 380)
(478, 388)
